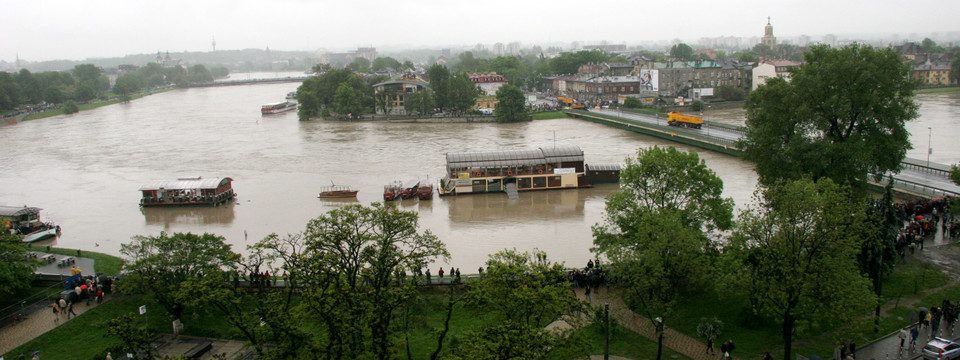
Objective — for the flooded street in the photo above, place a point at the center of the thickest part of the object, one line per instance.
(84, 170)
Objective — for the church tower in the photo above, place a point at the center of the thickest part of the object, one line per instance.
(768, 38)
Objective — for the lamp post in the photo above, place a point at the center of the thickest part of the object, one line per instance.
(929, 149)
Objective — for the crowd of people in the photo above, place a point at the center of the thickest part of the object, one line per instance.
(922, 220)
(86, 288)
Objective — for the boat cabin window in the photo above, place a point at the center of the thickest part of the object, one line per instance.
(479, 186)
(493, 185)
(540, 182)
(553, 181)
(523, 183)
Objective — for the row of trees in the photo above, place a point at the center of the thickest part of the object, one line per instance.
(813, 248)
(348, 293)
(83, 83)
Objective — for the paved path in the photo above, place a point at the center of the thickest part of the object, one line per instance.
(683, 344)
(37, 324)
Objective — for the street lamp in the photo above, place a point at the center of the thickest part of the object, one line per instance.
(929, 149)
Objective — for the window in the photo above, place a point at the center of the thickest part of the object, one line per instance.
(540, 182)
(523, 183)
(553, 181)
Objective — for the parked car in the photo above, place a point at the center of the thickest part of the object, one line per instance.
(941, 349)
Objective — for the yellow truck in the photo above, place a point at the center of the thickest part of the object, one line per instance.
(675, 119)
(570, 103)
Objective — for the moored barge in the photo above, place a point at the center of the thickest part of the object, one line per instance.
(425, 191)
(187, 191)
(278, 107)
(26, 221)
(337, 192)
(511, 171)
(410, 189)
(392, 190)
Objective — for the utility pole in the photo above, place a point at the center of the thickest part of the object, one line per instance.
(929, 149)
(606, 338)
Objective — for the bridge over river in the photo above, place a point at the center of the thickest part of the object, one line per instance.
(287, 79)
(918, 178)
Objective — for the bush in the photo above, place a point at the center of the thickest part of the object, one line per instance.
(730, 93)
(325, 113)
(632, 103)
(697, 105)
(70, 107)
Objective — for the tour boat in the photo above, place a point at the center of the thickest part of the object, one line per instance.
(26, 221)
(187, 191)
(392, 191)
(510, 171)
(278, 107)
(337, 192)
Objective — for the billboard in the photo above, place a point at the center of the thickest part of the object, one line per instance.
(650, 79)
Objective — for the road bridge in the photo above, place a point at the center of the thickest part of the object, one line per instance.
(252, 81)
(918, 178)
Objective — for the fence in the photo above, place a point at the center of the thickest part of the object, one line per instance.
(26, 307)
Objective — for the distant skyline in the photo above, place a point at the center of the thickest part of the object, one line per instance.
(79, 30)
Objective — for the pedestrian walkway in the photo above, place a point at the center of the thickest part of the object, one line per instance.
(683, 344)
(36, 324)
(888, 347)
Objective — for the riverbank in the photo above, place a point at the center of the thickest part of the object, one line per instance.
(88, 106)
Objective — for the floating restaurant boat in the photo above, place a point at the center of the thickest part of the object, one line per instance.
(392, 190)
(410, 189)
(187, 191)
(511, 171)
(425, 191)
(337, 192)
(26, 221)
(278, 107)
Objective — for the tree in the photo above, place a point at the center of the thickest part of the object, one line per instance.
(511, 105)
(133, 337)
(524, 292)
(681, 52)
(955, 174)
(70, 107)
(463, 93)
(439, 77)
(632, 103)
(16, 269)
(126, 85)
(384, 63)
(654, 229)
(359, 64)
(795, 253)
(930, 46)
(697, 105)
(841, 116)
(348, 100)
(730, 93)
(199, 74)
(161, 264)
(420, 102)
(878, 253)
(408, 65)
(384, 100)
(569, 63)
(350, 262)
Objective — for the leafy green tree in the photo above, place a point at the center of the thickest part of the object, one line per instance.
(523, 292)
(763, 51)
(408, 65)
(348, 101)
(795, 253)
(127, 84)
(841, 116)
(681, 52)
(955, 174)
(439, 77)
(386, 63)
(9, 93)
(53, 95)
(930, 46)
(420, 102)
(632, 103)
(219, 71)
(746, 56)
(70, 107)
(199, 74)
(731, 93)
(350, 264)
(30, 87)
(383, 100)
(511, 104)
(359, 64)
(654, 230)
(463, 93)
(16, 270)
(697, 105)
(161, 264)
(134, 338)
(878, 253)
(569, 63)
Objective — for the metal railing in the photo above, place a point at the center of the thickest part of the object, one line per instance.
(919, 188)
(26, 307)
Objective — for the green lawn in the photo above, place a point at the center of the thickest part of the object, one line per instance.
(107, 264)
(88, 106)
(550, 115)
(938, 90)
(627, 343)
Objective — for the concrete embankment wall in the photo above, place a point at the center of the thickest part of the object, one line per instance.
(677, 135)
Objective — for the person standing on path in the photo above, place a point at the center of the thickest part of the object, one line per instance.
(914, 334)
(853, 349)
(56, 314)
(588, 294)
(70, 310)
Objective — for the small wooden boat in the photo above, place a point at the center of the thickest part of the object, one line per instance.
(410, 189)
(337, 192)
(392, 191)
(425, 192)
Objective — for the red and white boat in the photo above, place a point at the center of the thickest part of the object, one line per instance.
(278, 107)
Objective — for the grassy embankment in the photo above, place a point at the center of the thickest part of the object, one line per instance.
(88, 106)
(939, 90)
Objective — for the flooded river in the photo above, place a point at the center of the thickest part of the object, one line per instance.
(84, 171)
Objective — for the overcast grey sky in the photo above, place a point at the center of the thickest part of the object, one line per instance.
(74, 29)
